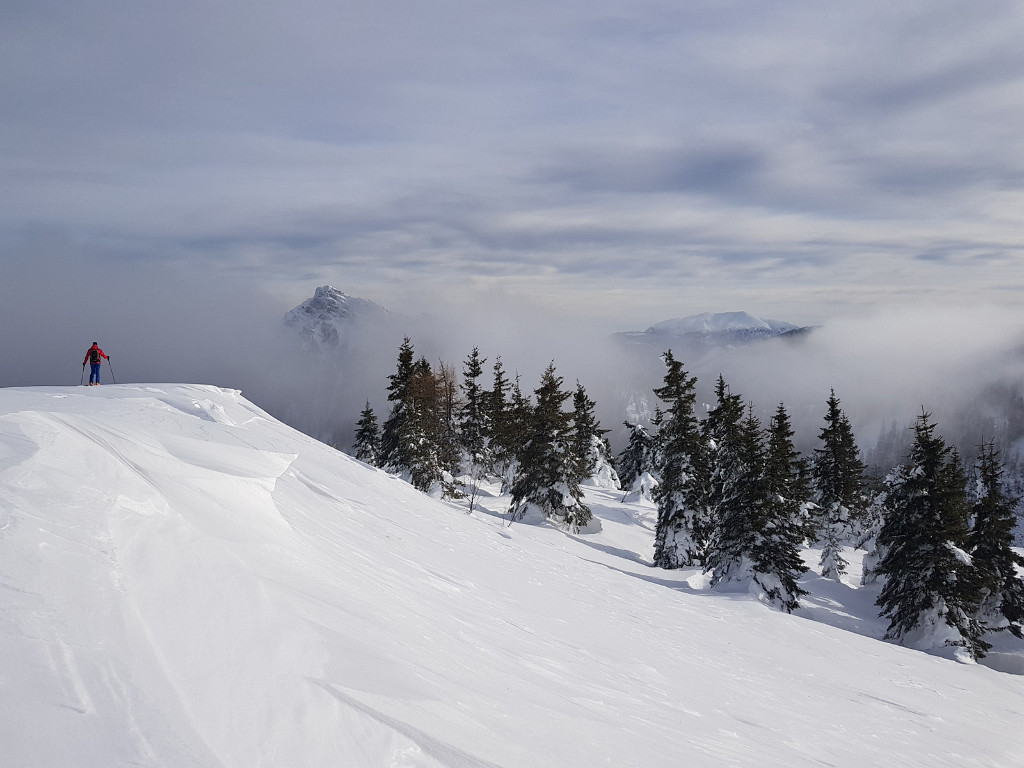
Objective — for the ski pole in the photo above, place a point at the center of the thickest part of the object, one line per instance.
(81, 382)
(113, 378)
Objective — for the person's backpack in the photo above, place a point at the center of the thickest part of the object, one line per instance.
(94, 356)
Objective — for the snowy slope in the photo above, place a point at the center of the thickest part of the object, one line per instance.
(186, 582)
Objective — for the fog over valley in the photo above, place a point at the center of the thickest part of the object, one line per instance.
(162, 323)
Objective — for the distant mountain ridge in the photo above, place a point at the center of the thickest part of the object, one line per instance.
(326, 321)
(723, 322)
(713, 329)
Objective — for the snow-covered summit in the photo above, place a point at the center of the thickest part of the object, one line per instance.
(327, 319)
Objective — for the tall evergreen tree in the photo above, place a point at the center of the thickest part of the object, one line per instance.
(395, 424)
(367, 445)
(681, 531)
(636, 464)
(930, 590)
(548, 476)
(788, 472)
(473, 427)
(787, 493)
(418, 437)
(990, 544)
(448, 442)
(500, 420)
(723, 463)
(419, 453)
(520, 426)
(757, 533)
(589, 443)
(739, 483)
(838, 476)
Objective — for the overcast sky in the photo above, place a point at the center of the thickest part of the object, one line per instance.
(629, 161)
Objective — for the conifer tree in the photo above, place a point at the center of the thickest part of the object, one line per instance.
(548, 476)
(473, 428)
(636, 464)
(395, 424)
(838, 476)
(418, 438)
(680, 534)
(589, 443)
(757, 532)
(723, 467)
(788, 472)
(419, 453)
(367, 445)
(990, 545)
(930, 590)
(740, 500)
(499, 420)
(777, 555)
(449, 406)
(520, 425)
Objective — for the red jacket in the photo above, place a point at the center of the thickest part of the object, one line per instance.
(89, 354)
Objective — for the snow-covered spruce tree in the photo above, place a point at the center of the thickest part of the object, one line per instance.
(450, 451)
(990, 545)
(636, 465)
(777, 560)
(497, 417)
(419, 448)
(473, 428)
(839, 497)
(740, 504)
(508, 413)
(417, 440)
(723, 465)
(635, 458)
(590, 445)
(367, 445)
(929, 594)
(757, 535)
(887, 496)
(520, 425)
(395, 424)
(548, 477)
(681, 531)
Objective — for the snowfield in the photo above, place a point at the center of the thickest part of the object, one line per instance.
(185, 581)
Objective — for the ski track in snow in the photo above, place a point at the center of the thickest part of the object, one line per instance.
(186, 582)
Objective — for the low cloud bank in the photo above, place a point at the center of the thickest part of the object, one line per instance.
(161, 323)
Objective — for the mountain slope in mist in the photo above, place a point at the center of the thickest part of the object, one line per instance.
(186, 581)
(326, 321)
(354, 343)
(710, 330)
(723, 322)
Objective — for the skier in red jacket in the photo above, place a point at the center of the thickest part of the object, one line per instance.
(94, 356)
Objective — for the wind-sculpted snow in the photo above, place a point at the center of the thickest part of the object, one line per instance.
(185, 581)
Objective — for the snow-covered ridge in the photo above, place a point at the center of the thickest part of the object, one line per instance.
(185, 581)
(722, 322)
(710, 330)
